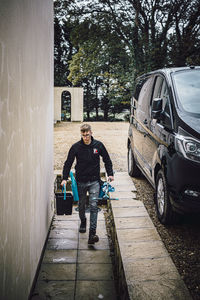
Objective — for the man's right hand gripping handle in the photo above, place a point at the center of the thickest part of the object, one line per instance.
(64, 182)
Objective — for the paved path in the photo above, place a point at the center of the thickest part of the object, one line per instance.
(73, 270)
(70, 268)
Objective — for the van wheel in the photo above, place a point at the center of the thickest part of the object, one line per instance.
(163, 206)
(133, 169)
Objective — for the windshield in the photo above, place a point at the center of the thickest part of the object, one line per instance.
(187, 86)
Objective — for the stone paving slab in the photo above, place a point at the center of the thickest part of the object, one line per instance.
(94, 272)
(101, 245)
(137, 235)
(126, 203)
(100, 215)
(86, 290)
(101, 232)
(123, 188)
(141, 249)
(123, 195)
(126, 212)
(57, 272)
(93, 256)
(133, 222)
(63, 233)
(73, 217)
(60, 256)
(159, 290)
(122, 182)
(54, 290)
(59, 224)
(59, 244)
(101, 224)
(122, 176)
(151, 269)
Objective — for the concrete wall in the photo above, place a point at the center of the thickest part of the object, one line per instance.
(76, 103)
(26, 140)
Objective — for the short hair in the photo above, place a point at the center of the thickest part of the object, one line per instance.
(85, 127)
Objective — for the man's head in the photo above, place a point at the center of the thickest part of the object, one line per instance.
(86, 133)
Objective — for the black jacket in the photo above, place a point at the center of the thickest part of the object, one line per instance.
(87, 161)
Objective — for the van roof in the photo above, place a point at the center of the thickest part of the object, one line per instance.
(168, 71)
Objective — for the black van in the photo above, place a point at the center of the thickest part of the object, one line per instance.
(164, 138)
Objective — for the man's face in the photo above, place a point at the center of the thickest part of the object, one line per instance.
(86, 137)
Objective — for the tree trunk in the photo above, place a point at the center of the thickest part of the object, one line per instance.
(96, 101)
(105, 108)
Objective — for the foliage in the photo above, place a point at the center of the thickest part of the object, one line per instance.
(103, 45)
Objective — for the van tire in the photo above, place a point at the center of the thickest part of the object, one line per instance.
(133, 169)
(164, 210)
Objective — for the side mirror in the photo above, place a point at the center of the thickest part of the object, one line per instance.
(156, 108)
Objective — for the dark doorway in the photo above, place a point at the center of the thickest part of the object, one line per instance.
(66, 106)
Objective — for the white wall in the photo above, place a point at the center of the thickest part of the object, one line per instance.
(26, 140)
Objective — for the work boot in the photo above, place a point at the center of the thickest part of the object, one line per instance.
(93, 238)
(82, 228)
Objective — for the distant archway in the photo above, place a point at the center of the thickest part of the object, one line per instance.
(66, 106)
(76, 103)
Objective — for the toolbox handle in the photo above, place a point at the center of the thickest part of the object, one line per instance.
(64, 188)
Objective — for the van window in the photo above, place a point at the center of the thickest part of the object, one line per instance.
(187, 85)
(165, 96)
(138, 86)
(158, 87)
(145, 95)
(161, 91)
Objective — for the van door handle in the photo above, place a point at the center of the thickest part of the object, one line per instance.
(145, 122)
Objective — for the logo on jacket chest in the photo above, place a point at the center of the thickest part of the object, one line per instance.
(95, 151)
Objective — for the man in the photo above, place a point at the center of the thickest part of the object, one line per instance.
(87, 152)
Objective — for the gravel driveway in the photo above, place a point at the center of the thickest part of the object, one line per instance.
(182, 241)
(112, 134)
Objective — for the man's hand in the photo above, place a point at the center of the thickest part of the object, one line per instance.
(64, 182)
(110, 178)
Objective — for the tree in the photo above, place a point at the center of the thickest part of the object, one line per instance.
(64, 48)
(83, 72)
(184, 43)
(147, 26)
(110, 42)
(101, 62)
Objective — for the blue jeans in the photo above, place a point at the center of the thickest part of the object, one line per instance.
(93, 189)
